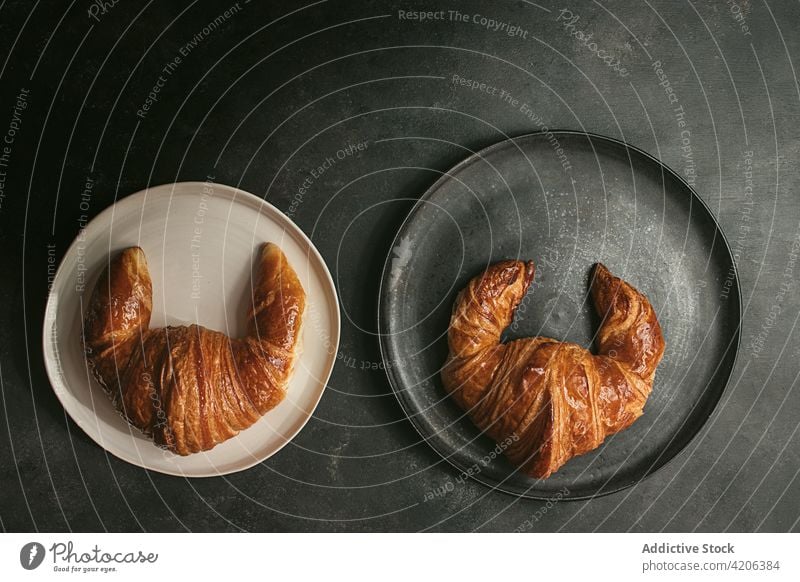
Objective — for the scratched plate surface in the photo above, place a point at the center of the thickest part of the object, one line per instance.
(565, 200)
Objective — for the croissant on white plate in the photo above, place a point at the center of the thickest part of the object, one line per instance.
(188, 387)
(551, 400)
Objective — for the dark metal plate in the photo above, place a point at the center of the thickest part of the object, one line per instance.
(565, 200)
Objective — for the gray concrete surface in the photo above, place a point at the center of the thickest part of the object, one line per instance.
(262, 95)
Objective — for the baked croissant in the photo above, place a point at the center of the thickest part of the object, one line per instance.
(189, 387)
(550, 400)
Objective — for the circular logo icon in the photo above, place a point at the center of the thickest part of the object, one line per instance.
(31, 555)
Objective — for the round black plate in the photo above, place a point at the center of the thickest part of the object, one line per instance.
(565, 200)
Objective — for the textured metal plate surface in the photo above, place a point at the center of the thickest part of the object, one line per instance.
(564, 200)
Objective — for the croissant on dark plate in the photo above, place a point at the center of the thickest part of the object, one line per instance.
(189, 387)
(550, 400)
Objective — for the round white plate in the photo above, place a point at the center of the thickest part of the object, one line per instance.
(200, 240)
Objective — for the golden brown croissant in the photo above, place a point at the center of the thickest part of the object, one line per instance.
(551, 400)
(189, 387)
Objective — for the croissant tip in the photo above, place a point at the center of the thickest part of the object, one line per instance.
(269, 248)
(530, 271)
(132, 255)
(600, 271)
(600, 278)
(133, 250)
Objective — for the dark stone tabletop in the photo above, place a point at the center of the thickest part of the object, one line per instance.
(256, 94)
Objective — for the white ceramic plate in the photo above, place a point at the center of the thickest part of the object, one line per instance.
(200, 240)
